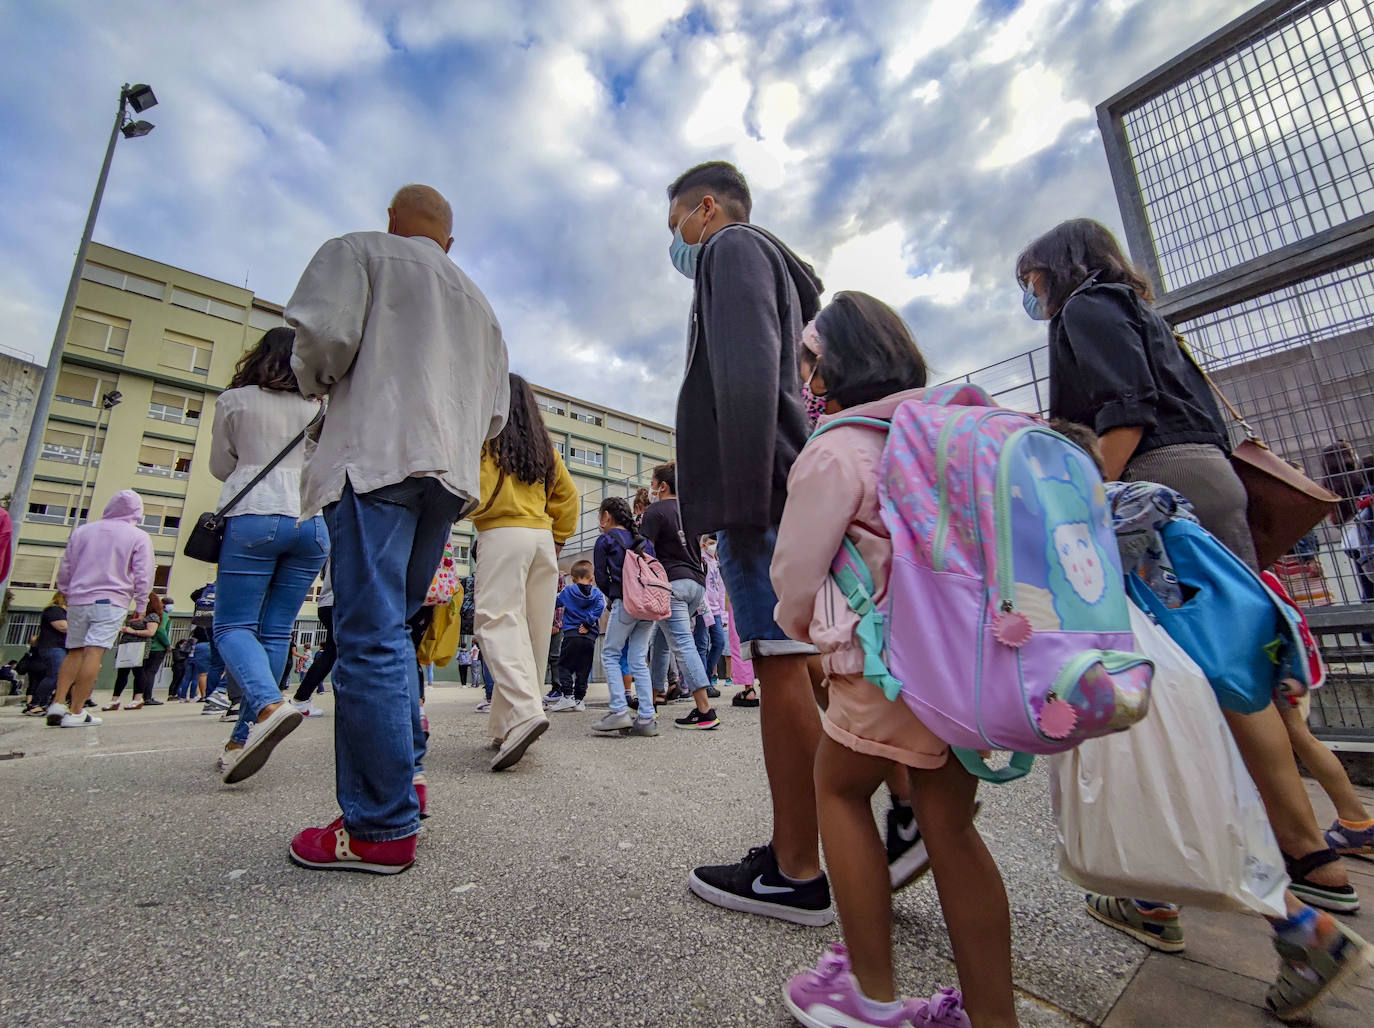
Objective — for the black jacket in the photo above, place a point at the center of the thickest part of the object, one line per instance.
(1114, 363)
(740, 417)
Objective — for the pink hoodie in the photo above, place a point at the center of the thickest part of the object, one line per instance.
(832, 492)
(110, 559)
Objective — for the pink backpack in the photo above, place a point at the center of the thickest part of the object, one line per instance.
(1006, 624)
(644, 586)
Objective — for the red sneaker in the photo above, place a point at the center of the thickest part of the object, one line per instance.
(422, 795)
(332, 849)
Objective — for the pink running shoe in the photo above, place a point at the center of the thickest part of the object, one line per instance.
(829, 997)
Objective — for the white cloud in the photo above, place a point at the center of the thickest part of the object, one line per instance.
(1039, 114)
(879, 261)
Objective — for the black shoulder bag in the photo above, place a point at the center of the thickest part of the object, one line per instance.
(207, 538)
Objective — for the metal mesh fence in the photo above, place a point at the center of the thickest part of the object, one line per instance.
(1265, 147)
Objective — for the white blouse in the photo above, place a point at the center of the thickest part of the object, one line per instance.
(251, 426)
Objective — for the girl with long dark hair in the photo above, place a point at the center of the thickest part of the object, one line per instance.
(268, 561)
(1116, 366)
(528, 510)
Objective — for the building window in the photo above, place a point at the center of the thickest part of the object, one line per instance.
(85, 390)
(162, 516)
(21, 627)
(588, 417)
(72, 444)
(175, 406)
(616, 424)
(185, 353)
(264, 320)
(52, 504)
(655, 435)
(35, 567)
(162, 576)
(123, 280)
(462, 552)
(207, 305)
(583, 455)
(551, 406)
(561, 447)
(94, 331)
(621, 462)
(170, 460)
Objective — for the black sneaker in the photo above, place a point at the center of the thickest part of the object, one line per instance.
(756, 886)
(713, 692)
(696, 719)
(906, 850)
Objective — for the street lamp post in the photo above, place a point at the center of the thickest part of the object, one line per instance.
(140, 97)
(108, 402)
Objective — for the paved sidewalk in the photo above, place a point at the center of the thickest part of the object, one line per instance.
(138, 890)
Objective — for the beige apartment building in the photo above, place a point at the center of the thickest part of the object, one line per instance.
(150, 348)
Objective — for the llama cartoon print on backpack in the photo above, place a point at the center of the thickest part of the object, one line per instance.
(1006, 624)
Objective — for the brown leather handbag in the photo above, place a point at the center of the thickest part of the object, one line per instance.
(1284, 504)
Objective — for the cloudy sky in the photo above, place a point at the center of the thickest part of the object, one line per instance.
(907, 147)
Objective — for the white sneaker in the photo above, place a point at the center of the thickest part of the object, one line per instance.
(564, 703)
(618, 722)
(56, 712)
(304, 708)
(82, 720)
(312, 710)
(262, 739)
(482, 708)
(580, 705)
(227, 759)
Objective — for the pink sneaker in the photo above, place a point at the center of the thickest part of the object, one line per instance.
(829, 997)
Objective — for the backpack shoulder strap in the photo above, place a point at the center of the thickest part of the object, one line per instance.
(856, 583)
(975, 765)
(875, 423)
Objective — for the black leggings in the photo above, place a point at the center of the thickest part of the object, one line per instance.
(144, 675)
(324, 659)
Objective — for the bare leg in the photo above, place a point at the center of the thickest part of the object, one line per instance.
(1268, 755)
(1325, 766)
(791, 728)
(972, 895)
(68, 673)
(854, 855)
(899, 784)
(87, 670)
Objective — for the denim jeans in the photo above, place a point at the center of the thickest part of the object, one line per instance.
(488, 682)
(627, 638)
(677, 631)
(386, 547)
(745, 557)
(710, 641)
(53, 657)
(266, 567)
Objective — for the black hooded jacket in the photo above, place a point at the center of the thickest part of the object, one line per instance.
(740, 417)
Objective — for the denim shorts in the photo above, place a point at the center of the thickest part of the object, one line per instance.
(745, 556)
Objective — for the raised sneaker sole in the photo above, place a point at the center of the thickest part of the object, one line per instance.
(515, 749)
(1153, 941)
(253, 756)
(910, 866)
(1326, 899)
(350, 865)
(764, 908)
(701, 726)
(835, 1017)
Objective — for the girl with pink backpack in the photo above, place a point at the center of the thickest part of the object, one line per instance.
(862, 360)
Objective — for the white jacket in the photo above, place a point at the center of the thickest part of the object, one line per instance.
(412, 359)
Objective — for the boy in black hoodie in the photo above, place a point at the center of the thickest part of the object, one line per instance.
(740, 425)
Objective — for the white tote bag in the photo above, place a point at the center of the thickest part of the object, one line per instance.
(131, 654)
(1166, 811)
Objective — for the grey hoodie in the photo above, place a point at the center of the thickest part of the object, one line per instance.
(740, 417)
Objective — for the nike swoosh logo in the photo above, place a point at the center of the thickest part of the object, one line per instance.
(765, 890)
(908, 833)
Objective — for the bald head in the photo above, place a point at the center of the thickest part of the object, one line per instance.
(421, 211)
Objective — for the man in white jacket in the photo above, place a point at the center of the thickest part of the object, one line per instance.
(411, 357)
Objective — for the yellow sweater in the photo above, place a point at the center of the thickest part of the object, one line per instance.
(553, 508)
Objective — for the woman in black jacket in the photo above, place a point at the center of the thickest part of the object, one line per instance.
(1116, 366)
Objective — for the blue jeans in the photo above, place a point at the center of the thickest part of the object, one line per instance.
(745, 557)
(386, 546)
(677, 632)
(266, 567)
(487, 680)
(198, 664)
(627, 643)
(710, 640)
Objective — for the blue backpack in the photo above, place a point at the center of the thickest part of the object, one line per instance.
(1239, 633)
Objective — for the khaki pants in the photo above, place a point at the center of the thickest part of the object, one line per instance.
(517, 583)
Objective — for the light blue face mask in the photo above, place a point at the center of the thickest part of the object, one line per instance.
(1032, 304)
(684, 254)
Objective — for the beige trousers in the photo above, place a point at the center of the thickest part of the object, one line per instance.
(517, 583)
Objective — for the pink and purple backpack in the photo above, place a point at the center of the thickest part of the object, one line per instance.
(1006, 623)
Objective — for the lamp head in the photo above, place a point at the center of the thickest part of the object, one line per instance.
(140, 97)
(134, 129)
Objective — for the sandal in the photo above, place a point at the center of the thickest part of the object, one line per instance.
(137, 705)
(110, 706)
(1339, 899)
(746, 697)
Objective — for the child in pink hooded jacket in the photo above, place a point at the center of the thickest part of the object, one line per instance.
(108, 566)
(860, 358)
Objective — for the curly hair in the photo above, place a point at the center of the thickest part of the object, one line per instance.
(524, 448)
(268, 365)
(642, 499)
(619, 509)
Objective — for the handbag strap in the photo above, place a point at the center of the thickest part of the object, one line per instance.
(1187, 351)
(264, 472)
